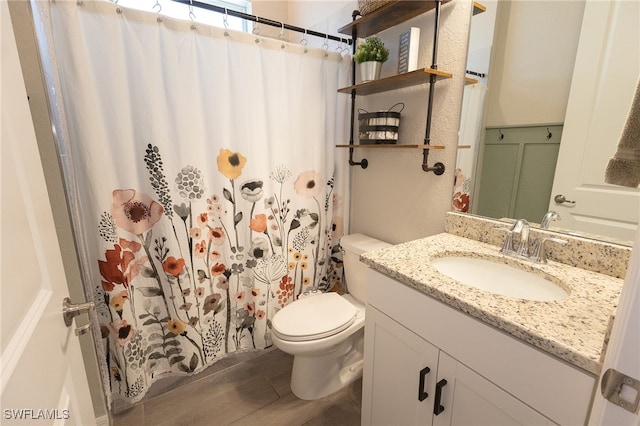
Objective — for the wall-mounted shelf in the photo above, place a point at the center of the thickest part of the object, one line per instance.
(398, 81)
(469, 80)
(381, 145)
(478, 8)
(401, 146)
(389, 15)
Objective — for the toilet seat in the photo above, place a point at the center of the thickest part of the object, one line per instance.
(314, 317)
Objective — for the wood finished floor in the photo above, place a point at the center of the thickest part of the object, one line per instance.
(254, 391)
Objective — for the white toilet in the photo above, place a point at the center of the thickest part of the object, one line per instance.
(325, 332)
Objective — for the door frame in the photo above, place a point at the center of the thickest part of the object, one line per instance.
(22, 19)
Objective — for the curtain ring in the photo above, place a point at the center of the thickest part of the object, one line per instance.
(501, 136)
(342, 46)
(304, 41)
(225, 18)
(225, 22)
(158, 5)
(192, 15)
(549, 134)
(281, 36)
(256, 28)
(325, 45)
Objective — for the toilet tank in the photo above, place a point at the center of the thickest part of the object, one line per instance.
(355, 271)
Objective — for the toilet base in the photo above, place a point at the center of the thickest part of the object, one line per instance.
(314, 377)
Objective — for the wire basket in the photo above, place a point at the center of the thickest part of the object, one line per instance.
(368, 6)
(379, 127)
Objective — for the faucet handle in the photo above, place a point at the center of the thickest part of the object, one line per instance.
(521, 229)
(507, 245)
(540, 255)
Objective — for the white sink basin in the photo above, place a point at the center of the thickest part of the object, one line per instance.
(499, 278)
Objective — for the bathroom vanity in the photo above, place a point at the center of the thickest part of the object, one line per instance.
(441, 352)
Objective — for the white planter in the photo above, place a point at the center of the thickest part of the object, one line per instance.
(370, 70)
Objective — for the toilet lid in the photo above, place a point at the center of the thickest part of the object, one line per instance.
(314, 317)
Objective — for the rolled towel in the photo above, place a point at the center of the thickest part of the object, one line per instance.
(624, 168)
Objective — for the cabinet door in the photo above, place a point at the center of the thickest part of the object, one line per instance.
(470, 399)
(399, 374)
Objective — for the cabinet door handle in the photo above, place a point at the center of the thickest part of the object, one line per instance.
(422, 395)
(437, 407)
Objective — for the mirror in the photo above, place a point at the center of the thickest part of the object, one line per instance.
(532, 50)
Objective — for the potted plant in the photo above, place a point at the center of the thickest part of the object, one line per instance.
(371, 54)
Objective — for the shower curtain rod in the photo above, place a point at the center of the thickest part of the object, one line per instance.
(265, 21)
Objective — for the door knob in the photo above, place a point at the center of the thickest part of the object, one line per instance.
(71, 310)
(560, 199)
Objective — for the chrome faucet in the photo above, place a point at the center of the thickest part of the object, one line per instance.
(547, 218)
(517, 242)
(520, 246)
(538, 252)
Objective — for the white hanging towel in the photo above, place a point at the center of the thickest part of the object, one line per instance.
(624, 168)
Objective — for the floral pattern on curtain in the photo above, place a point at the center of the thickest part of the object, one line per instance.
(192, 273)
(205, 187)
(196, 273)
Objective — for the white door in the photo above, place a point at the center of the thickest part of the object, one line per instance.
(606, 71)
(623, 353)
(42, 372)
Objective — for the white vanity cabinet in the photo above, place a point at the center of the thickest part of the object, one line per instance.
(427, 363)
(409, 381)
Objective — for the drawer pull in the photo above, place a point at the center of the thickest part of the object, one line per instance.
(422, 395)
(437, 406)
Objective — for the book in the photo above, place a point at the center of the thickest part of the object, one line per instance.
(409, 49)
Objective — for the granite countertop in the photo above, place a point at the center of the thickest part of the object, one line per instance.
(572, 329)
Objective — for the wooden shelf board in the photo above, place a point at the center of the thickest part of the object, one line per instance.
(478, 8)
(423, 147)
(469, 80)
(401, 146)
(389, 15)
(398, 81)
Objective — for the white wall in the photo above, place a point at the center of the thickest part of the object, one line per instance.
(532, 62)
(321, 16)
(276, 10)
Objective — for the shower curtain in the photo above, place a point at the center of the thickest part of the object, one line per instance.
(205, 188)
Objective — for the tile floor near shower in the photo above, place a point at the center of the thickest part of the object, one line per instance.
(246, 389)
